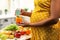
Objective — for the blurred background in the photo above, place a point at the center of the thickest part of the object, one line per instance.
(8, 7)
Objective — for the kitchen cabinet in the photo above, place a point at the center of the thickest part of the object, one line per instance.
(6, 21)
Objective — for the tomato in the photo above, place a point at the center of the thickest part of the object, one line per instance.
(23, 32)
(17, 34)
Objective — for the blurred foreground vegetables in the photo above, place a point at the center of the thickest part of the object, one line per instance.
(3, 36)
(11, 27)
(13, 31)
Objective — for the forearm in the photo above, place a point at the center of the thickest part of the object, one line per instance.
(46, 22)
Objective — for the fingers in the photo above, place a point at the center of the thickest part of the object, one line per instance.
(22, 10)
(20, 24)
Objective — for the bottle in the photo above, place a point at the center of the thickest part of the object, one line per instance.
(6, 11)
(18, 19)
(17, 12)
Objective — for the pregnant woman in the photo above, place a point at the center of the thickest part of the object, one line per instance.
(44, 20)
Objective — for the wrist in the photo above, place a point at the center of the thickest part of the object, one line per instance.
(52, 18)
(31, 24)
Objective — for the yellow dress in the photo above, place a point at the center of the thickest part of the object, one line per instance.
(41, 12)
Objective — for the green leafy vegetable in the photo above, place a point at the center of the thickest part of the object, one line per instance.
(11, 27)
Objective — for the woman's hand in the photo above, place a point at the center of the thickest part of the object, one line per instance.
(25, 13)
(24, 24)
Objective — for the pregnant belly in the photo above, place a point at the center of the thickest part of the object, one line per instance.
(39, 16)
